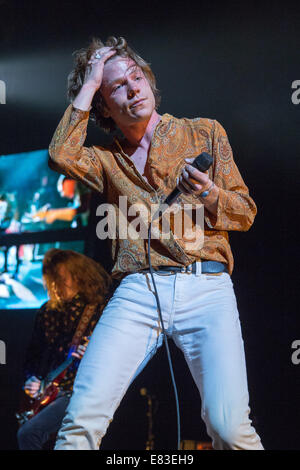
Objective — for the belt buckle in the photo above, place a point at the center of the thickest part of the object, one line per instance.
(187, 269)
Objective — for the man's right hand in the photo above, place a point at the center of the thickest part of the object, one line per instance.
(32, 386)
(94, 70)
(93, 78)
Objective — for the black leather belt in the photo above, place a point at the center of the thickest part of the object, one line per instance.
(206, 268)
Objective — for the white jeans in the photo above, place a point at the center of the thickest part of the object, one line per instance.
(200, 313)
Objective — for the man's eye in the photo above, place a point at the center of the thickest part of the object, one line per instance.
(116, 87)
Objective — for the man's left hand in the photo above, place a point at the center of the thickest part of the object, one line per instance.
(193, 181)
(79, 352)
(81, 349)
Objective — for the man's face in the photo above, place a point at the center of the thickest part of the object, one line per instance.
(65, 285)
(128, 96)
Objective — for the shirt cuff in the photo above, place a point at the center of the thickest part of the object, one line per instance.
(79, 114)
(214, 221)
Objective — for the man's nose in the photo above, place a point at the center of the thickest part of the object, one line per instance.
(133, 89)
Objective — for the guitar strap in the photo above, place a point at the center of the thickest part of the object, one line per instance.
(81, 328)
(83, 323)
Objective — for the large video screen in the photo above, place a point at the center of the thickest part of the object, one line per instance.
(35, 198)
(21, 281)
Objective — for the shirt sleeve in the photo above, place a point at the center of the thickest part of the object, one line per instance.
(236, 209)
(67, 154)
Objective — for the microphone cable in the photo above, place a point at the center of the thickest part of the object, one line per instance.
(164, 335)
(202, 163)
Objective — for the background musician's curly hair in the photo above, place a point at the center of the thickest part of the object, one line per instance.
(92, 280)
(76, 77)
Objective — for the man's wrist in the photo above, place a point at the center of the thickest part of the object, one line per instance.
(206, 192)
(210, 202)
(85, 97)
(90, 87)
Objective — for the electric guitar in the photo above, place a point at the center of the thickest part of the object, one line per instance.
(47, 393)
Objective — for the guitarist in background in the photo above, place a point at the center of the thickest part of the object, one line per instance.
(78, 290)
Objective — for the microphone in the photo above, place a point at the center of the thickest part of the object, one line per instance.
(201, 163)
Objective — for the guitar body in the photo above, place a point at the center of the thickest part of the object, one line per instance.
(49, 395)
(30, 407)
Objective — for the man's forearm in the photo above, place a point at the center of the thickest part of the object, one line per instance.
(84, 98)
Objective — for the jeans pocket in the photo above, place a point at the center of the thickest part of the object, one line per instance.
(223, 277)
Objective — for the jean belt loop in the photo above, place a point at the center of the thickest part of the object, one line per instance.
(198, 268)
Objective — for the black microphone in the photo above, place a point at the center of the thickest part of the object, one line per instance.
(201, 163)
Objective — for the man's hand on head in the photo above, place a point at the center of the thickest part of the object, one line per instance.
(93, 78)
(94, 70)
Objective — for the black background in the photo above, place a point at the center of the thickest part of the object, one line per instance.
(234, 62)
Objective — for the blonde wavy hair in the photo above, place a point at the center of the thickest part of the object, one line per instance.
(91, 279)
(76, 77)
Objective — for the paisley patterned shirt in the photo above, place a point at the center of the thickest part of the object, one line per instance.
(110, 171)
(52, 337)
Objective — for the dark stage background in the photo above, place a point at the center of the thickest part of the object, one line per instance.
(234, 62)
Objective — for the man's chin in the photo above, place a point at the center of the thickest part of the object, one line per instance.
(143, 114)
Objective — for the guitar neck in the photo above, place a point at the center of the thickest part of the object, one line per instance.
(56, 372)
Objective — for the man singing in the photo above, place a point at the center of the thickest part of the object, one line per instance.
(116, 88)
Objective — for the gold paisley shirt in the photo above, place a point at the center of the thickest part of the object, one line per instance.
(52, 337)
(110, 171)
